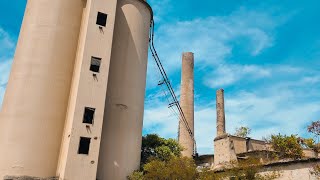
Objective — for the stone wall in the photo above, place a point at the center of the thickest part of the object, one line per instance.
(294, 170)
(239, 144)
(224, 151)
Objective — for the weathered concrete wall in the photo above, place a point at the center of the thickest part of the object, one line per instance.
(239, 144)
(309, 153)
(36, 99)
(257, 145)
(123, 119)
(224, 152)
(51, 84)
(88, 90)
(187, 103)
(242, 145)
(28, 178)
(292, 171)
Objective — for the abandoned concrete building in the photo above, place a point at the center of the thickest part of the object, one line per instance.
(229, 148)
(73, 108)
(74, 103)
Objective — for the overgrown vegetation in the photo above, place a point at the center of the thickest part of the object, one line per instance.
(242, 131)
(287, 146)
(314, 128)
(316, 170)
(248, 169)
(156, 147)
(161, 158)
(162, 161)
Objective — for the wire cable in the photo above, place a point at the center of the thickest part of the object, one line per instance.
(169, 86)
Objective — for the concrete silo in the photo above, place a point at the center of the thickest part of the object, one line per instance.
(77, 81)
(35, 103)
(83, 127)
(122, 129)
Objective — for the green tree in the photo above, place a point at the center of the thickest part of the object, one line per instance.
(242, 131)
(287, 146)
(154, 146)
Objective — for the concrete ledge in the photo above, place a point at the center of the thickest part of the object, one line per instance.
(28, 178)
(221, 137)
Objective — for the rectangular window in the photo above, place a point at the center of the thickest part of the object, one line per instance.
(102, 19)
(84, 145)
(95, 64)
(88, 115)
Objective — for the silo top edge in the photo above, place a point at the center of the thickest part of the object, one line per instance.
(148, 6)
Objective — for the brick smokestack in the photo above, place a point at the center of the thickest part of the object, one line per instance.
(221, 123)
(187, 103)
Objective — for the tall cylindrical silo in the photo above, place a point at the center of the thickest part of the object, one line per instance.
(36, 99)
(122, 127)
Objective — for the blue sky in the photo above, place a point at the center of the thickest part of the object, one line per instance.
(265, 54)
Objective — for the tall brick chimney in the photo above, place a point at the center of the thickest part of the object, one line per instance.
(221, 123)
(187, 103)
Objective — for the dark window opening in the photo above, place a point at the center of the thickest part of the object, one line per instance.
(84, 145)
(88, 115)
(95, 64)
(102, 19)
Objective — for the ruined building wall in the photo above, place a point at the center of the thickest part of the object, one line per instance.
(243, 145)
(187, 103)
(239, 144)
(257, 145)
(293, 171)
(224, 151)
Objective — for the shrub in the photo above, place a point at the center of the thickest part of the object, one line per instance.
(287, 146)
(242, 131)
(177, 168)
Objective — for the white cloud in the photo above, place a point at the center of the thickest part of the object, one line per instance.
(6, 43)
(160, 9)
(280, 108)
(5, 66)
(210, 39)
(161, 120)
(228, 74)
(276, 112)
(205, 131)
(2, 90)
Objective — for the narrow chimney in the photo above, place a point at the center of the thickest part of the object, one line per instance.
(221, 123)
(187, 103)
